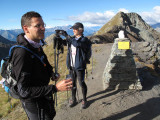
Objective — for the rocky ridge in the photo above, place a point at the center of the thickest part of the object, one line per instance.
(136, 29)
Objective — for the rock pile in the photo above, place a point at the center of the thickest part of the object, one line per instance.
(147, 52)
(120, 71)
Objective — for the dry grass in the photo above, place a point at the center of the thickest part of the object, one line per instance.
(108, 26)
(5, 106)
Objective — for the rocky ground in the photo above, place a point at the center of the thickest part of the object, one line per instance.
(113, 104)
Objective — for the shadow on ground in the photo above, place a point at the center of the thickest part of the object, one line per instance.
(150, 109)
(107, 93)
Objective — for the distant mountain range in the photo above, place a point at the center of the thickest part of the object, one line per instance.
(4, 46)
(156, 27)
(8, 37)
(12, 34)
(5, 41)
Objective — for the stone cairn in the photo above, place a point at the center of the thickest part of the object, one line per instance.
(120, 71)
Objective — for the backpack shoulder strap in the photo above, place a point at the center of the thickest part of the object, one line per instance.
(10, 52)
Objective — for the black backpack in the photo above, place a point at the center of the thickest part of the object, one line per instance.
(6, 72)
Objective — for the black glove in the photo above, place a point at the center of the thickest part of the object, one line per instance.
(54, 76)
(64, 33)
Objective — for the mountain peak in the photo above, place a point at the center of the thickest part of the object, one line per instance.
(133, 24)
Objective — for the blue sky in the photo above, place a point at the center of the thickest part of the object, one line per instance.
(67, 12)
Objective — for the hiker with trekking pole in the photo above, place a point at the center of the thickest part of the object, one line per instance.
(79, 53)
(30, 71)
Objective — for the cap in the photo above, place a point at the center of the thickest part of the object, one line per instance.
(77, 25)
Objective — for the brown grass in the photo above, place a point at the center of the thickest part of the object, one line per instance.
(108, 26)
(5, 105)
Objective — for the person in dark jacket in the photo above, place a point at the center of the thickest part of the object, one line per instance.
(76, 62)
(32, 75)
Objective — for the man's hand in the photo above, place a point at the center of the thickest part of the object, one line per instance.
(64, 85)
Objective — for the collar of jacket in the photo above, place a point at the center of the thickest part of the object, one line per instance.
(79, 37)
(21, 40)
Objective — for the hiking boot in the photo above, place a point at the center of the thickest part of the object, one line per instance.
(84, 104)
(72, 103)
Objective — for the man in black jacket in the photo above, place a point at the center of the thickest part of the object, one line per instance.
(32, 74)
(76, 62)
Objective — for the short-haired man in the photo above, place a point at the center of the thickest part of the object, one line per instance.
(33, 77)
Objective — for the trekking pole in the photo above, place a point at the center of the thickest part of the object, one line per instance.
(55, 65)
(57, 46)
(9, 100)
(68, 77)
(56, 71)
(92, 67)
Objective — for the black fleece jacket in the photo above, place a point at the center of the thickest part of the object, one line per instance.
(32, 75)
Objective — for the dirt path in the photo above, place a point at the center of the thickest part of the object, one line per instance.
(113, 105)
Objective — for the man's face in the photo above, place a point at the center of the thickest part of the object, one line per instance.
(36, 30)
(77, 32)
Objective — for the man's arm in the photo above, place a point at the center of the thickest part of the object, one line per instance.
(23, 76)
(80, 43)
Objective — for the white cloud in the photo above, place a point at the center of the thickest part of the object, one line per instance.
(123, 10)
(152, 17)
(100, 18)
(157, 9)
(90, 25)
(94, 18)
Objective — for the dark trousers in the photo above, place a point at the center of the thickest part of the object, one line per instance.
(80, 75)
(39, 110)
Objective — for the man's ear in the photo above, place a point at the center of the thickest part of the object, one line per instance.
(25, 29)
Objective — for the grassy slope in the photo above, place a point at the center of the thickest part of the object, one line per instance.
(108, 26)
(17, 113)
